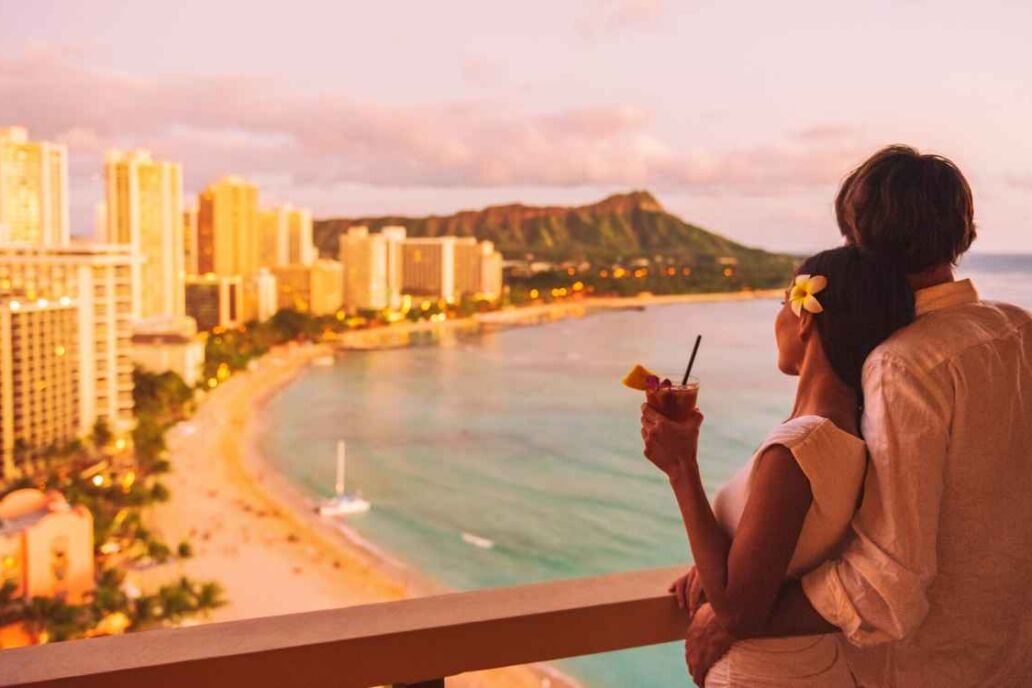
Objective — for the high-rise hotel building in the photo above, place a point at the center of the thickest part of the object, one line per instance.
(286, 237)
(372, 268)
(39, 380)
(491, 267)
(33, 190)
(428, 267)
(144, 209)
(380, 268)
(98, 278)
(478, 268)
(228, 228)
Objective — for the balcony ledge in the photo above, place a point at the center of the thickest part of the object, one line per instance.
(370, 645)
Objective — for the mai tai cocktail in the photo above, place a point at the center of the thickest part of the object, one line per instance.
(674, 400)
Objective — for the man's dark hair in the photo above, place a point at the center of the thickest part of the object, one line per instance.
(912, 210)
(865, 301)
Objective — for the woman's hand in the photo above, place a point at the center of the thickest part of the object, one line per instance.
(671, 445)
(689, 592)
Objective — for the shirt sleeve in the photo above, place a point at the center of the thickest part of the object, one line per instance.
(876, 591)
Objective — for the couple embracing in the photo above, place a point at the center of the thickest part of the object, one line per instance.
(882, 535)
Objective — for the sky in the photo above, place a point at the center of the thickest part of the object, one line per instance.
(740, 117)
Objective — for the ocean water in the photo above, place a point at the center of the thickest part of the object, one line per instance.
(525, 437)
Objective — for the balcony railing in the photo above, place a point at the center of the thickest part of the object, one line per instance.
(416, 641)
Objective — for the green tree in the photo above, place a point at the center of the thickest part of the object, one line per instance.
(101, 435)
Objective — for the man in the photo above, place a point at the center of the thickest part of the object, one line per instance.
(934, 584)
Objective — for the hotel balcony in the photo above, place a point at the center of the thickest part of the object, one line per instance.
(416, 642)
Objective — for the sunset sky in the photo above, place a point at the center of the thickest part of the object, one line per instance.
(741, 117)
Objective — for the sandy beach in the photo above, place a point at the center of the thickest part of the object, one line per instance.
(259, 537)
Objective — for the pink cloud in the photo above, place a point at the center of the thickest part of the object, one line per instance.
(221, 124)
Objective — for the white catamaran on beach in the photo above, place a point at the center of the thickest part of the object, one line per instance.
(342, 504)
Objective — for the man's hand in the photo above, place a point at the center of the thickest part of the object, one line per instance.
(706, 642)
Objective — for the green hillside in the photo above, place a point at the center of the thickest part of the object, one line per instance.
(620, 228)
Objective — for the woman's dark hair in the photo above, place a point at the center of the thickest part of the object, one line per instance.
(865, 301)
(910, 209)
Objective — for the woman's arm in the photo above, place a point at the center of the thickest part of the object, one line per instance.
(741, 576)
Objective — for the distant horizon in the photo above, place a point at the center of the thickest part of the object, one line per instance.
(742, 126)
(975, 251)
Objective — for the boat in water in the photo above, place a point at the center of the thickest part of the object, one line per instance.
(477, 541)
(342, 503)
(324, 361)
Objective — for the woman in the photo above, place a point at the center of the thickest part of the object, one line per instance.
(788, 508)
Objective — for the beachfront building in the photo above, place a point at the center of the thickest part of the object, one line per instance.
(214, 301)
(227, 228)
(372, 268)
(428, 267)
(260, 297)
(286, 236)
(99, 279)
(478, 269)
(46, 546)
(39, 380)
(190, 241)
(315, 288)
(491, 270)
(144, 209)
(33, 190)
(467, 266)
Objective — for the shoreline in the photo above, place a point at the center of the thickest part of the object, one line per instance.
(243, 516)
(400, 335)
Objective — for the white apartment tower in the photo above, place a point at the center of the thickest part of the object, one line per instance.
(286, 237)
(144, 209)
(367, 270)
(33, 190)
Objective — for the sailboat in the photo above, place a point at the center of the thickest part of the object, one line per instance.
(342, 504)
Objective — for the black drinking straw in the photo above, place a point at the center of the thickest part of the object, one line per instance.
(691, 361)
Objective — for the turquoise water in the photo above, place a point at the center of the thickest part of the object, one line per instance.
(526, 437)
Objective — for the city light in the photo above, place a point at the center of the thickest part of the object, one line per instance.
(97, 480)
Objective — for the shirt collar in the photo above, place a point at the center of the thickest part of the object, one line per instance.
(945, 295)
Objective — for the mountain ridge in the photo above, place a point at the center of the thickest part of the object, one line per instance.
(619, 227)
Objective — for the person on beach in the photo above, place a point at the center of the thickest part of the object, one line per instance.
(931, 584)
(786, 510)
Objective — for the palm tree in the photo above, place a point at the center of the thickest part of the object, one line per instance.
(210, 596)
